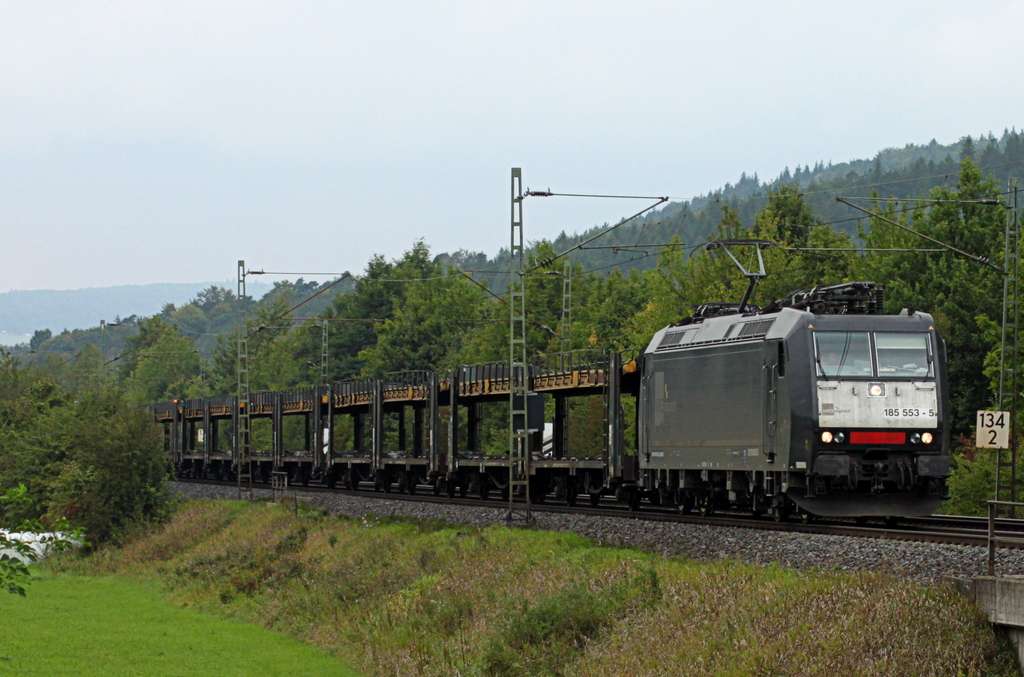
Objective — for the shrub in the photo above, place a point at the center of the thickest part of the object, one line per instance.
(92, 456)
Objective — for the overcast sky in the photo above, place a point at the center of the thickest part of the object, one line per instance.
(162, 141)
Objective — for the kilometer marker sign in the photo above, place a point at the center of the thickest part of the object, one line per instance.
(993, 430)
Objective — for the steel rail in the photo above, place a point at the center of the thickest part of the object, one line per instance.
(943, 529)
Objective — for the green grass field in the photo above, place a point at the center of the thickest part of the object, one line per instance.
(82, 626)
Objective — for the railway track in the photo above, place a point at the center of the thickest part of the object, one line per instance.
(949, 529)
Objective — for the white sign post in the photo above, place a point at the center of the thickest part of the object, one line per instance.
(993, 430)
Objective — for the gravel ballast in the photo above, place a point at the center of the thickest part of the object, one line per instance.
(922, 562)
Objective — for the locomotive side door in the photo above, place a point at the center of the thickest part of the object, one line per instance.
(643, 411)
(774, 367)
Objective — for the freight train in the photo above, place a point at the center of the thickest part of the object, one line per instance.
(819, 404)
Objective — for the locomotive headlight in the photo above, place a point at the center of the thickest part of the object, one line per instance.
(915, 438)
(839, 438)
(876, 390)
(826, 437)
(927, 438)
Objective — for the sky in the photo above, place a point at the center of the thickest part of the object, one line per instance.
(146, 142)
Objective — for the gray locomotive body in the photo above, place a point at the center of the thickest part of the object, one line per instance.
(792, 411)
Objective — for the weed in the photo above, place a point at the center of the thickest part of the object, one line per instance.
(549, 633)
(292, 541)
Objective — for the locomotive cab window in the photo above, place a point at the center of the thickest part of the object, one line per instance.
(843, 353)
(903, 354)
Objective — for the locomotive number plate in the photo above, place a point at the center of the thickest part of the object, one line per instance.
(908, 413)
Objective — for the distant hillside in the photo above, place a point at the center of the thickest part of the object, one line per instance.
(23, 312)
(906, 172)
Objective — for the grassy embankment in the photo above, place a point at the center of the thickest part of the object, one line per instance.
(404, 598)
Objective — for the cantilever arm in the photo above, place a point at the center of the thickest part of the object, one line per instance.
(973, 257)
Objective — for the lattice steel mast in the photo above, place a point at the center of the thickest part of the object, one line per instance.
(242, 432)
(566, 308)
(1009, 357)
(324, 378)
(518, 375)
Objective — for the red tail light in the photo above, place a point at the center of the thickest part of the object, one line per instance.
(878, 438)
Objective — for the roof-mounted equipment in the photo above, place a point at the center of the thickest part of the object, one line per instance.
(847, 298)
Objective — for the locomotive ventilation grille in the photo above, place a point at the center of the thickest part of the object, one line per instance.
(674, 339)
(755, 328)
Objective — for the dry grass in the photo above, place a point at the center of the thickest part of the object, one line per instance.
(725, 620)
(416, 598)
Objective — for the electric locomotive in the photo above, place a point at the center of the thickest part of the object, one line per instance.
(820, 404)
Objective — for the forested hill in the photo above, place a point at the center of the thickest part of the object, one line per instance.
(905, 172)
(908, 172)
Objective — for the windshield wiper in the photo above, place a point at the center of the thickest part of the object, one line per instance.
(817, 361)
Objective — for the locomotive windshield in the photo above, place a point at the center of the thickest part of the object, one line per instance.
(843, 353)
(849, 353)
(900, 354)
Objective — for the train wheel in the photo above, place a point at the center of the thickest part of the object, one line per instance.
(704, 506)
(437, 487)
(779, 513)
(633, 499)
(410, 483)
(571, 493)
(806, 517)
(484, 490)
(595, 499)
(757, 504)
